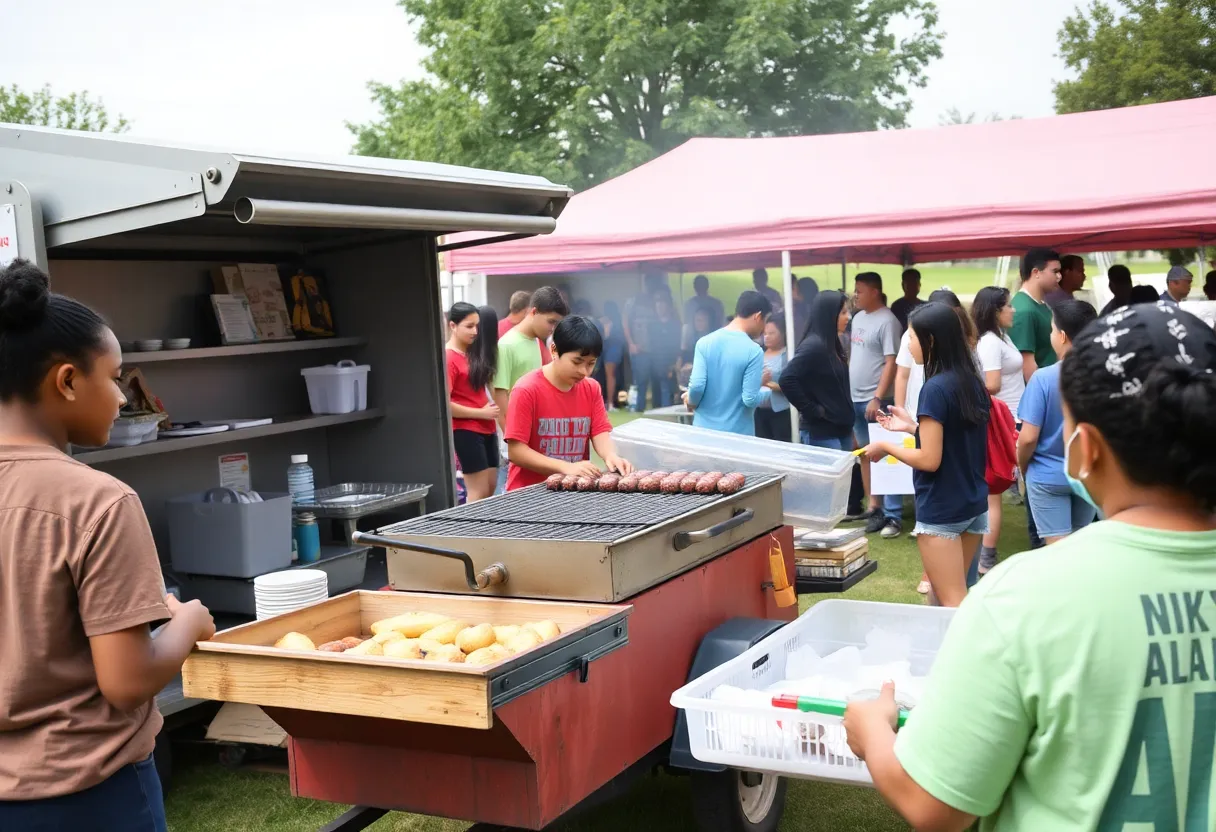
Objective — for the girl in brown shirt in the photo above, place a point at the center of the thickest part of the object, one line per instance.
(80, 583)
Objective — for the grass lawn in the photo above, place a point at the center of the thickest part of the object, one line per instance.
(207, 797)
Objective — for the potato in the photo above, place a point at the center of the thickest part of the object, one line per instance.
(295, 641)
(447, 653)
(446, 632)
(523, 641)
(428, 645)
(488, 655)
(504, 632)
(545, 629)
(410, 624)
(404, 648)
(388, 636)
(333, 647)
(352, 641)
(366, 648)
(475, 638)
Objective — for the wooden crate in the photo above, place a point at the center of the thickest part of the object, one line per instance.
(242, 665)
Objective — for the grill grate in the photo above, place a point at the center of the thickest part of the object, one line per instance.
(536, 513)
(440, 526)
(538, 504)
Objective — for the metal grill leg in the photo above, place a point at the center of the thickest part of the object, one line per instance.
(355, 819)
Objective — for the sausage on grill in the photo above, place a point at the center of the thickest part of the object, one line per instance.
(688, 485)
(731, 483)
(586, 484)
(628, 485)
(608, 482)
(554, 482)
(708, 484)
(670, 484)
(650, 484)
(569, 482)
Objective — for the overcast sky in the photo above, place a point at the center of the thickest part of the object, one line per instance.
(285, 75)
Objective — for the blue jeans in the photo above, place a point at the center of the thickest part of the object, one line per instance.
(639, 371)
(129, 801)
(892, 504)
(830, 443)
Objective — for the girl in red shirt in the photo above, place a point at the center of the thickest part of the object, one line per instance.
(472, 358)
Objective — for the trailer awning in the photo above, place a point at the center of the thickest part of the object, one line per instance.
(1132, 178)
(99, 189)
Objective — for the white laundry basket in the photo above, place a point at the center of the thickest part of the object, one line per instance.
(337, 388)
(773, 740)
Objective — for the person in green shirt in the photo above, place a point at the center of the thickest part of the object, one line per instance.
(1076, 686)
(1031, 330)
(522, 349)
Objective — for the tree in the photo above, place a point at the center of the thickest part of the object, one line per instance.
(74, 111)
(581, 90)
(1139, 52)
(956, 116)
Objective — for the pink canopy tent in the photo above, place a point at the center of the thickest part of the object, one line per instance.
(1133, 178)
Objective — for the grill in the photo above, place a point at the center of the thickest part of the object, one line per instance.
(588, 546)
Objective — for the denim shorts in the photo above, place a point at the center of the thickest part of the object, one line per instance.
(953, 531)
(1056, 510)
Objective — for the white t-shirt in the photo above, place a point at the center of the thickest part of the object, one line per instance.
(997, 352)
(916, 378)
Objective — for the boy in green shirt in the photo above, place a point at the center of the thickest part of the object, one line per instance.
(1031, 330)
(1076, 686)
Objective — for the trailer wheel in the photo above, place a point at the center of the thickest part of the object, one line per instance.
(232, 756)
(737, 801)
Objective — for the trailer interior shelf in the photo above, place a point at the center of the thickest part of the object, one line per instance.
(132, 358)
(280, 426)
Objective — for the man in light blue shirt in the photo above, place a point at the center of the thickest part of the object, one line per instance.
(727, 367)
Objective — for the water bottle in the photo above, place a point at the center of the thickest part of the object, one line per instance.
(633, 396)
(306, 537)
(299, 479)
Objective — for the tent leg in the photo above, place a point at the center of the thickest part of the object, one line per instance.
(791, 337)
(844, 272)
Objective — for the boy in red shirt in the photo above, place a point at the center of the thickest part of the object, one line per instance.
(556, 414)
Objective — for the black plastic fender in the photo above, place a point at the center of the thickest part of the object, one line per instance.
(719, 646)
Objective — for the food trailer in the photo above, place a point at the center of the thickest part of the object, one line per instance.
(646, 590)
(137, 229)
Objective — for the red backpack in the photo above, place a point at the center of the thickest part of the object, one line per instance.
(1001, 469)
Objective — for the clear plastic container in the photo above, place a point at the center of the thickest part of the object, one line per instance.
(337, 388)
(751, 736)
(815, 492)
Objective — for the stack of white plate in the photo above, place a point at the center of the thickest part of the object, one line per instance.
(283, 592)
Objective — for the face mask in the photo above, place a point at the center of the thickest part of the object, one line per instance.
(1075, 484)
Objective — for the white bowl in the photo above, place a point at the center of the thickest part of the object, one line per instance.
(177, 344)
(151, 345)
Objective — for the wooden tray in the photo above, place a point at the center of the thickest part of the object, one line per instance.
(242, 665)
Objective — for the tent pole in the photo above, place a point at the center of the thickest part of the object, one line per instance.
(844, 272)
(791, 337)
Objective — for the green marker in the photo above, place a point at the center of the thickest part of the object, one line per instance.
(828, 707)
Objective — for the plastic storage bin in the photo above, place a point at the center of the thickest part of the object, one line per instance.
(337, 388)
(774, 740)
(815, 492)
(229, 539)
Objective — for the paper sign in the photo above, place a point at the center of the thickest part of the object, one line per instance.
(234, 472)
(890, 476)
(8, 235)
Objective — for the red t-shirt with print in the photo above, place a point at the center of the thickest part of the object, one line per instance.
(555, 423)
(463, 393)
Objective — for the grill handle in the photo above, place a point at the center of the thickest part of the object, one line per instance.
(492, 575)
(682, 540)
